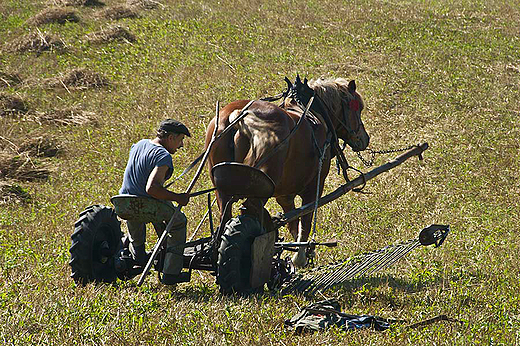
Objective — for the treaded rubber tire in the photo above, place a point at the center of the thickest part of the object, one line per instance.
(96, 224)
(234, 254)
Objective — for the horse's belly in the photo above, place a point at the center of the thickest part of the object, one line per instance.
(296, 178)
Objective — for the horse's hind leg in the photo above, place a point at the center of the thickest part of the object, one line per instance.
(225, 213)
(241, 148)
(287, 204)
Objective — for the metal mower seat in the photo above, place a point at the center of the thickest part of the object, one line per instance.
(132, 207)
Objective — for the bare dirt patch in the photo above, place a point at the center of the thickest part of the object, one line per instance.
(65, 117)
(144, 4)
(113, 33)
(119, 12)
(8, 80)
(80, 78)
(11, 193)
(36, 42)
(12, 105)
(54, 15)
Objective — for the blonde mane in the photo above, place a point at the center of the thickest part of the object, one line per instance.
(332, 91)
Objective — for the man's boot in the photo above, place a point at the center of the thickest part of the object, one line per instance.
(139, 254)
(171, 279)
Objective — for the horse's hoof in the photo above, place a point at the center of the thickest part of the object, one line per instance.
(299, 260)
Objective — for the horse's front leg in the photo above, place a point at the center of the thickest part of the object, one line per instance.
(300, 258)
(309, 196)
(299, 228)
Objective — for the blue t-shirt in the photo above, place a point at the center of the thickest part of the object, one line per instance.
(144, 157)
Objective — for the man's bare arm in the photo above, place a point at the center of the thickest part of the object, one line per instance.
(155, 188)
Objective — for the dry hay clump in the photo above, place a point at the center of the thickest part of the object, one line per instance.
(113, 33)
(119, 12)
(20, 167)
(11, 104)
(70, 116)
(80, 78)
(11, 193)
(8, 80)
(86, 3)
(144, 4)
(54, 15)
(37, 42)
(40, 147)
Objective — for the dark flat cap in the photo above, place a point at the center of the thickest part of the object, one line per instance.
(174, 126)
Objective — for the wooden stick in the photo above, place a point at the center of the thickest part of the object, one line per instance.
(343, 189)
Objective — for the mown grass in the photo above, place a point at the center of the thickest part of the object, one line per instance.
(445, 72)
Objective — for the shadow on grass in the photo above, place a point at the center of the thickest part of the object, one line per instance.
(364, 288)
(356, 286)
(398, 284)
(196, 291)
(204, 292)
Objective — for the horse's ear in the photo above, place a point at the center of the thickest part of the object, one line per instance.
(289, 84)
(298, 80)
(305, 81)
(352, 86)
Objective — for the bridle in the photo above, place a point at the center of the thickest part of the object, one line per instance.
(352, 106)
(346, 107)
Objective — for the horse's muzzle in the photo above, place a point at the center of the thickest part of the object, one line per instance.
(361, 143)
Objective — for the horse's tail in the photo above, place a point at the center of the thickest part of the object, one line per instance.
(256, 136)
(234, 115)
(245, 123)
(244, 142)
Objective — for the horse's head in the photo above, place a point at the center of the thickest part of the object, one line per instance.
(339, 99)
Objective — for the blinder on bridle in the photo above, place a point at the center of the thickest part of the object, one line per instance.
(354, 106)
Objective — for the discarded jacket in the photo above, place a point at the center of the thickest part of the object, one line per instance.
(327, 313)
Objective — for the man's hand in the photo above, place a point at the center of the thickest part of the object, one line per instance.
(182, 198)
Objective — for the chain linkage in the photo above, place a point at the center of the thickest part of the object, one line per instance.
(372, 154)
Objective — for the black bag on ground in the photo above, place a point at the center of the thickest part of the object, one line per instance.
(327, 313)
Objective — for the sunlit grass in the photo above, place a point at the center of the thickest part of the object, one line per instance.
(445, 72)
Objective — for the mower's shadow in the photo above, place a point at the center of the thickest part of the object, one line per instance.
(204, 291)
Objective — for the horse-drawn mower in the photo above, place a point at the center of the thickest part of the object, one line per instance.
(245, 252)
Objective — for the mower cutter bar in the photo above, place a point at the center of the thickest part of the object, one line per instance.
(323, 278)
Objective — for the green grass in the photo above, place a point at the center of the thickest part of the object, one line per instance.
(441, 71)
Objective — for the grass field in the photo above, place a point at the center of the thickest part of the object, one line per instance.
(441, 71)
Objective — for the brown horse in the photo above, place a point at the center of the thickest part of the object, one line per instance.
(294, 165)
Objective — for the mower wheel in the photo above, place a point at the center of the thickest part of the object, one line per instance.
(234, 254)
(95, 242)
